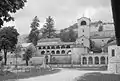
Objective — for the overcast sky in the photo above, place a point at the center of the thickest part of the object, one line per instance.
(64, 12)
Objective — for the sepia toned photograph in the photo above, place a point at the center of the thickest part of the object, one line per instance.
(59, 40)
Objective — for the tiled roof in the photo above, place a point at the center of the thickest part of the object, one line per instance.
(50, 40)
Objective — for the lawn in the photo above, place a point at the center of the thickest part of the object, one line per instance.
(11, 76)
(99, 77)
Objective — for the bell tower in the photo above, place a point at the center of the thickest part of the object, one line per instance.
(83, 32)
(83, 27)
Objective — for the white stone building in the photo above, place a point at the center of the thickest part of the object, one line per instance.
(77, 52)
(114, 59)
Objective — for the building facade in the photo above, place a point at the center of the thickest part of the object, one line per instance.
(58, 52)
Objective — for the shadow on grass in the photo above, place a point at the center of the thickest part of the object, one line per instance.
(99, 77)
(22, 75)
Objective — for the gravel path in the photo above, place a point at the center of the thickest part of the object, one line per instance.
(63, 75)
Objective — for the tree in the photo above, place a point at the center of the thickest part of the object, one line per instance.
(7, 7)
(92, 44)
(34, 33)
(8, 40)
(29, 53)
(18, 50)
(69, 36)
(94, 48)
(48, 28)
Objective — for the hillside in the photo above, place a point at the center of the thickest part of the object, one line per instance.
(22, 38)
(94, 26)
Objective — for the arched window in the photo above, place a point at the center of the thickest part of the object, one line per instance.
(62, 46)
(48, 47)
(90, 60)
(84, 60)
(68, 46)
(53, 52)
(53, 47)
(42, 52)
(57, 52)
(69, 52)
(58, 47)
(102, 59)
(44, 47)
(83, 23)
(39, 48)
(63, 51)
(96, 60)
(48, 51)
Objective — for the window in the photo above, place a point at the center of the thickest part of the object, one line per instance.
(62, 46)
(53, 47)
(39, 47)
(68, 46)
(53, 52)
(113, 52)
(43, 52)
(48, 47)
(82, 44)
(82, 39)
(48, 51)
(58, 47)
(44, 47)
(83, 23)
(83, 30)
(57, 52)
(63, 51)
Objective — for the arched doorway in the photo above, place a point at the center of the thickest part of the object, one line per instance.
(42, 52)
(90, 60)
(57, 52)
(63, 51)
(102, 59)
(84, 60)
(53, 52)
(69, 52)
(96, 60)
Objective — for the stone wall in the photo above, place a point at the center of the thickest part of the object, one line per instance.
(60, 59)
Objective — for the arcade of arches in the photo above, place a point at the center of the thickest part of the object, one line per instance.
(58, 49)
(94, 60)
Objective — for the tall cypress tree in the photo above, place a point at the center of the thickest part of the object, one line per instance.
(48, 28)
(34, 33)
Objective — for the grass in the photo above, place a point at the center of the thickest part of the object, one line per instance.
(12, 76)
(99, 77)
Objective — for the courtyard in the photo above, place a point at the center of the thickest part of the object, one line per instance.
(70, 75)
